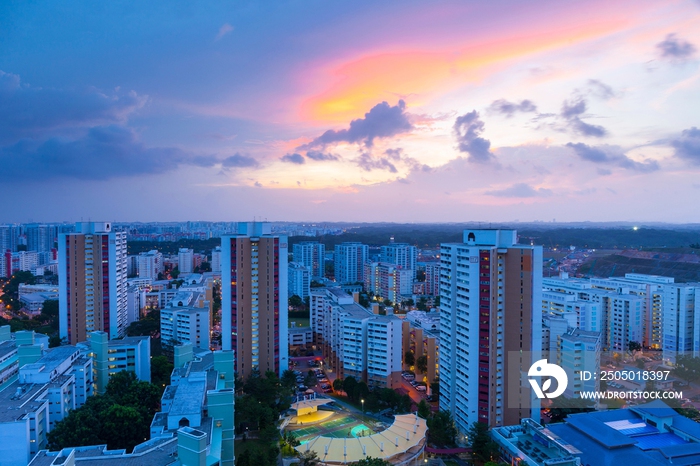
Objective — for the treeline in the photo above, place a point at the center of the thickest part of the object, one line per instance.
(171, 247)
(431, 235)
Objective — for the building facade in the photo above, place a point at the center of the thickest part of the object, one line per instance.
(349, 260)
(92, 282)
(490, 291)
(312, 255)
(299, 279)
(254, 298)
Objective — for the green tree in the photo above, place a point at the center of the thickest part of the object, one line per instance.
(121, 418)
(687, 367)
(422, 364)
(289, 380)
(295, 301)
(370, 461)
(118, 427)
(441, 429)
(338, 385)
(49, 313)
(360, 391)
(423, 409)
(161, 370)
(308, 458)
(634, 346)
(310, 380)
(409, 359)
(244, 458)
(349, 384)
(482, 445)
(562, 407)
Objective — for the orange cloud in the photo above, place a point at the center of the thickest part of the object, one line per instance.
(357, 85)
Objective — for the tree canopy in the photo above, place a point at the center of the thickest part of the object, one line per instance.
(120, 418)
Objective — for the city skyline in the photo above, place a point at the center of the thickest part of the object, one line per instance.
(397, 112)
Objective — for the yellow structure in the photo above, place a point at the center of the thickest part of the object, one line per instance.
(400, 444)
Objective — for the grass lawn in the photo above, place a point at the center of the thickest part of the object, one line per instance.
(299, 321)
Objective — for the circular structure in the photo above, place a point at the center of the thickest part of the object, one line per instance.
(399, 444)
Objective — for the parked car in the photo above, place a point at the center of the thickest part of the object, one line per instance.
(421, 388)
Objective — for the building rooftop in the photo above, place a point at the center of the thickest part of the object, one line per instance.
(157, 452)
(128, 341)
(189, 396)
(56, 356)
(356, 311)
(17, 399)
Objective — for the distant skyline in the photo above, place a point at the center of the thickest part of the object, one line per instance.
(351, 111)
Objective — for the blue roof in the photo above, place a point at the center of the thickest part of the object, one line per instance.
(659, 441)
(598, 431)
(687, 426)
(596, 454)
(655, 408)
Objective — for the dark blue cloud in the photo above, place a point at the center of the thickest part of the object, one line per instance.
(239, 161)
(105, 152)
(508, 109)
(688, 145)
(520, 190)
(369, 163)
(27, 111)
(293, 158)
(468, 128)
(611, 156)
(321, 156)
(675, 49)
(381, 121)
(572, 111)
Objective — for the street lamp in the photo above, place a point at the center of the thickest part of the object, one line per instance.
(363, 406)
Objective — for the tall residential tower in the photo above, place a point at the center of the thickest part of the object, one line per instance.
(92, 282)
(491, 309)
(254, 298)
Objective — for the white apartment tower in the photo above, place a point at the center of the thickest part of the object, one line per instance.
(92, 282)
(312, 255)
(299, 280)
(150, 264)
(350, 259)
(490, 306)
(185, 260)
(216, 259)
(400, 254)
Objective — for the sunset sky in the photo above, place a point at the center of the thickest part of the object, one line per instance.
(406, 111)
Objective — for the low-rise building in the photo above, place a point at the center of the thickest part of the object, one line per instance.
(649, 434)
(45, 389)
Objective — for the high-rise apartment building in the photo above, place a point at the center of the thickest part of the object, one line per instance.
(9, 237)
(389, 281)
(254, 298)
(40, 238)
(681, 321)
(432, 278)
(350, 259)
(400, 254)
(216, 259)
(491, 308)
(299, 280)
(150, 264)
(92, 282)
(312, 255)
(185, 260)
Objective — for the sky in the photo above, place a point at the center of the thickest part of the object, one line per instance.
(395, 111)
